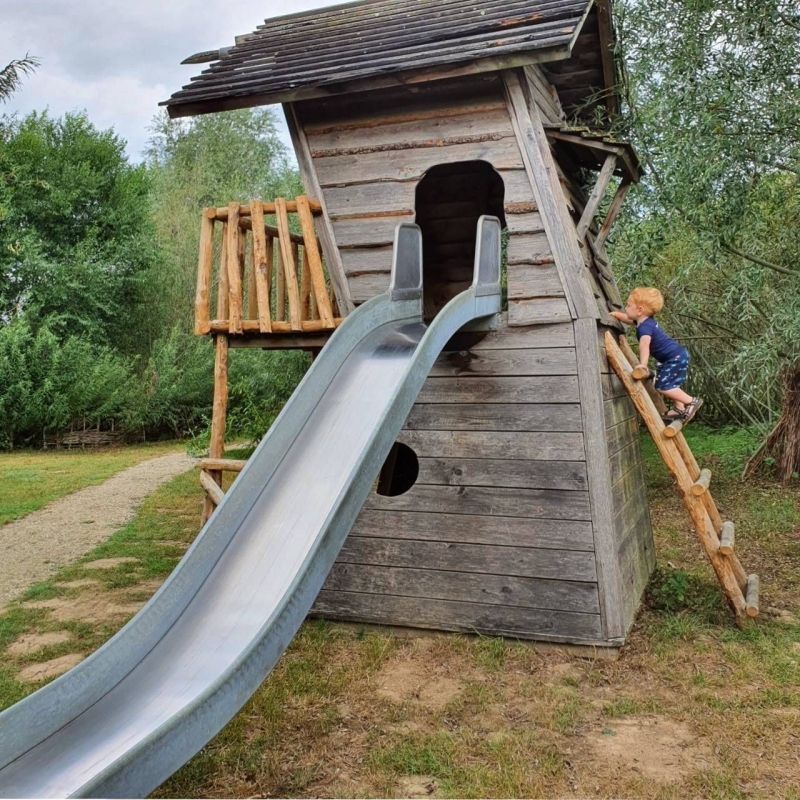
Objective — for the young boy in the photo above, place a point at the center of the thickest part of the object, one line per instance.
(672, 358)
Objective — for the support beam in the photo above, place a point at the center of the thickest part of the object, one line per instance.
(333, 259)
(216, 445)
(616, 205)
(543, 175)
(213, 491)
(597, 195)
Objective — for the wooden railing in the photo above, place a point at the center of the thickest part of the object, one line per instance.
(268, 279)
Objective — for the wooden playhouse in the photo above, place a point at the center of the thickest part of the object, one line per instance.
(516, 504)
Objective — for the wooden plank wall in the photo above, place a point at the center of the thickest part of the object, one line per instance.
(634, 535)
(496, 534)
(371, 152)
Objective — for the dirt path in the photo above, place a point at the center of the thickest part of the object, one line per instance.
(65, 529)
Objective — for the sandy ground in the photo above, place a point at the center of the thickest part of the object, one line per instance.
(36, 545)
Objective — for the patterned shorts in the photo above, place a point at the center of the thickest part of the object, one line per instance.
(671, 374)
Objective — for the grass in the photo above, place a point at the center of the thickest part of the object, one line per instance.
(33, 478)
(353, 713)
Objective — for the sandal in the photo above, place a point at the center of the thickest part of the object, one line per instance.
(672, 416)
(692, 409)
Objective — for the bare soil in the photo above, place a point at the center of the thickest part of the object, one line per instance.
(34, 673)
(33, 642)
(42, 542)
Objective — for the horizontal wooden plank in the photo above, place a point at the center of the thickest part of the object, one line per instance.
(534, 446)
(468, 529)
(500, 417)
(501, 151)
(480, 500)
(567, 475)
(627, 485)
(367, 259)
(539, 361)
(529, 222)
(618, 409)
(399, 196)
(483, 559)
(537, 389)
(542, 310)
(363, 287)
(512, 591)
(526, 281)
(612, 387)
(510, 338)
(621, 435)
(372, 231)
(480, 618)
(385, 133)
(529, 248)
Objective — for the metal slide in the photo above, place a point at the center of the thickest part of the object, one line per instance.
(123, 720)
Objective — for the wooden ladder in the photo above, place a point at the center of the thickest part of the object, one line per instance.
(716, 536)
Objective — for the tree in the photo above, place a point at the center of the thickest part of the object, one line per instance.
(712, 96)
(11, 75)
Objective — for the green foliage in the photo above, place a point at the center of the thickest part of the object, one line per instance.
(712, 96)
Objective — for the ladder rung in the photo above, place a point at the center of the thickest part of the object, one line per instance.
(726, 539)
(673, 429)
(700, 486)
(753, 586)
(640, 373)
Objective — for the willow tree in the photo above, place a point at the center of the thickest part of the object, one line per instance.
(712, 89)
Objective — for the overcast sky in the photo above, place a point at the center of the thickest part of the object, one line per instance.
(117, 59)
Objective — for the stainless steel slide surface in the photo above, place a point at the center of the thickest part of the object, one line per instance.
(127, 717)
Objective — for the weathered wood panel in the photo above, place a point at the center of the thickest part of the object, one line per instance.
(541, 389)
(403, 165)
(368, 231)
(362, 260)
(502, 531)
(612, 387)
(571, 565)
(465, 587)
(534, 446)
(541, 361)
(526, 281)
(568, 475)
(487, 417)
(624, 460)
(508, 338)
(479, 500)
(621, 435)
(363, 287)
(627, 485)
(530, 222)
(466, 617)
(452, 122)
(617, 410)
(529, 248)
(538, 311)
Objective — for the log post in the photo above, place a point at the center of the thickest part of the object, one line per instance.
(223, 305)
(216, 445)
(201, 299)
(234, 270)
(262, 267)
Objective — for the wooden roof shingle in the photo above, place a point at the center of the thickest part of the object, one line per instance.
(346, 47)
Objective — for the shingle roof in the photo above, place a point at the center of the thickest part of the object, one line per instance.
(291, 57)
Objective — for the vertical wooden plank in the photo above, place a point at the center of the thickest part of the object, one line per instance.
(331, 252)
(202, 321)
(305, 287)
(613, 210)
(252, 291)
(289, 265)
(599, 470)
(262, 266)
(216, 445)
(315, 261)
(280, 286)
(234, 270)
(543, 176)
(223, 306)
(598, 192)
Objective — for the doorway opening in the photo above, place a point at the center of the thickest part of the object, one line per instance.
(449, 201)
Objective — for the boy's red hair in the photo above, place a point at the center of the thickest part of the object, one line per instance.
(651, 300)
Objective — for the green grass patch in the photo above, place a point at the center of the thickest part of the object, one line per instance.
(33, 478)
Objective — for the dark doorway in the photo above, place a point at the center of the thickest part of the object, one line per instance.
(399, 472)
(449, 200)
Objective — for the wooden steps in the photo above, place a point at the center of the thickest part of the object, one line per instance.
(716, 536)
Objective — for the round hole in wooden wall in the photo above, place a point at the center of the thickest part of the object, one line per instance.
(399, 472)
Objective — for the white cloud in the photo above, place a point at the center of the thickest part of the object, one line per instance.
(118, 59)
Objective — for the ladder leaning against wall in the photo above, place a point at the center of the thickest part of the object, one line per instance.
(716, 536)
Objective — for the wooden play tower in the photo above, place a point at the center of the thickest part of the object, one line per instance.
(514, 503)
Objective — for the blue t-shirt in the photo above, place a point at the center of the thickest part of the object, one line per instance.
(662, 347)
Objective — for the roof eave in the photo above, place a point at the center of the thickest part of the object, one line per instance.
(178, 109)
